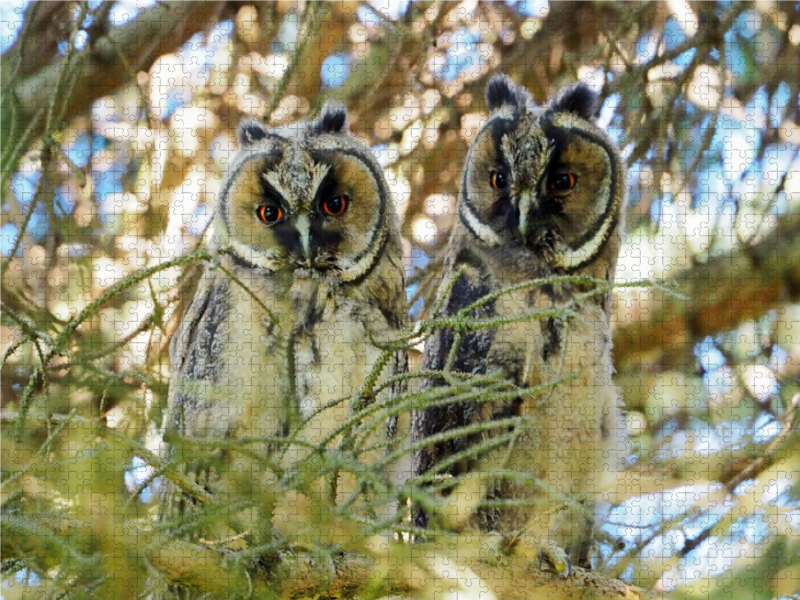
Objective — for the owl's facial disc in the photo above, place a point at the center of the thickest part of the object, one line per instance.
(585, 180)
(306, 209)
(308, 235)
(546, 182)
(507, 160)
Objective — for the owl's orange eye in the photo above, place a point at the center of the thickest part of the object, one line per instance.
(563, 183)
(269, 214)
(498, 180)
(335, 206)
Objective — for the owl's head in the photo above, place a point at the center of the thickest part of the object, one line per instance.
(307, 198)
(545, 179)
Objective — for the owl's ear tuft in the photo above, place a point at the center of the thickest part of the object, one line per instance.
(332, 119)
(501, 91)
(250, 132)
(580, 100)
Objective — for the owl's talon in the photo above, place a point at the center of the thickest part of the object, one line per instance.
(555, 558)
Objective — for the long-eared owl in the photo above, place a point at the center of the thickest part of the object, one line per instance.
(307, 280)
(540, 202)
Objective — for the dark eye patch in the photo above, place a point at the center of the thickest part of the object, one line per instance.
(557, 136)
(498, 179)
(286, 235)
(321, 236)
(327, 189)
(511, 220)
(269, 194)
(501, 206)
(269, 213)
(561, 183)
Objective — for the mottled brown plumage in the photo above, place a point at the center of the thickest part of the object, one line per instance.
(541, 197)
(307, 266)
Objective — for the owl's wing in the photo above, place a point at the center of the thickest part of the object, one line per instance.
(192, 351)
(471, 285)
(393, 307)
(194, 359)
(196, 348)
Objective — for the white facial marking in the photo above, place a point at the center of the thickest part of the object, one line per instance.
(568, 257)
(505, 112)
(525, 204)
(318, 172)
(484, 232)
(354, 269)
(274, 180)
(303, 228)
(263, 258)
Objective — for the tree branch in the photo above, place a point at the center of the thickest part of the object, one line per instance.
(159, 30)
(728, 289)
(303, 576)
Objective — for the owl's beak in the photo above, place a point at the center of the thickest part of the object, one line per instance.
(524, 207)
(302, 226)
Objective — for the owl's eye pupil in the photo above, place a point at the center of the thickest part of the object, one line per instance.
(563, 182)
(269, 214)
(335, 206)
(498, 180)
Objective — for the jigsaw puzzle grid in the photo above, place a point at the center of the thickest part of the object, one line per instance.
(113, 171)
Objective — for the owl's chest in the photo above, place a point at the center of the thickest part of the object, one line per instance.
(564, 350)
(546, 337)
(298, 350)
(332, 355)
(332, 358)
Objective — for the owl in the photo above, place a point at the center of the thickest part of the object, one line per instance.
(285, 329)
(540, 202)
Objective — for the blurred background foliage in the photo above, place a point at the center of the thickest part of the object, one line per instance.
(117, 124)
